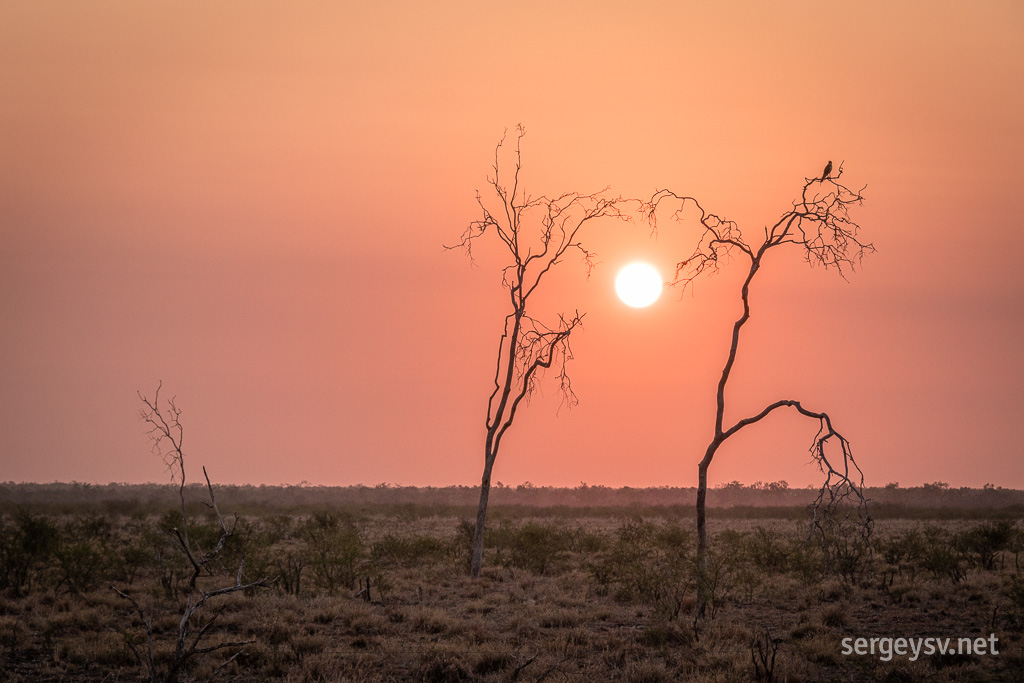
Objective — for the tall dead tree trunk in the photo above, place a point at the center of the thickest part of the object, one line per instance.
(537, 233)
(819, 223)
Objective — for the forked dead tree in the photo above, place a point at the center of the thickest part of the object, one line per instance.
(194, 627)
(537, 233)
(820, 226)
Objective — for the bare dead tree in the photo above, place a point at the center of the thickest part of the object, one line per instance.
(537, 233)
(819, 224)
(166, 432)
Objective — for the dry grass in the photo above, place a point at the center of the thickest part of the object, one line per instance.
(611, 600)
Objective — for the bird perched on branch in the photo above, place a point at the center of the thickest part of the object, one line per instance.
(828, 171)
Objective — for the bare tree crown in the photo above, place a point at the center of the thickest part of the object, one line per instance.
(819, 224)
(537, 233)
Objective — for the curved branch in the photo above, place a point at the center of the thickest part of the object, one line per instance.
(842, 479)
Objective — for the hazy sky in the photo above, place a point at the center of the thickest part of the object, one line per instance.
(248, 201)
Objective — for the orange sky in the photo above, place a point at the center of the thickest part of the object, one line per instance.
(248, 201)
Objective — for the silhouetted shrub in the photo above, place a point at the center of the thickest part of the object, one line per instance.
(767, 550)
(1015, 612)
(81, 564)
(845, 540)
(27, 543)
(408, 551)
(981, 544)
(940, 556)
(584, 541)
(650, 563)
(334, 547)
(533, 546)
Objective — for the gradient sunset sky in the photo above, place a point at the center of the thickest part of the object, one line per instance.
(248, 201)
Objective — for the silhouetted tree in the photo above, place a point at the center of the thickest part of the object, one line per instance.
(820, 226)
(190, 641)
(537, 233)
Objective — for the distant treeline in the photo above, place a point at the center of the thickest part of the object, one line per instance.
(734, 499)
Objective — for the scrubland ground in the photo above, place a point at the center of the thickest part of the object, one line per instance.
(606, 596)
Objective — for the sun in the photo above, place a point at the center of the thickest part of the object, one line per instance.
(638, 285)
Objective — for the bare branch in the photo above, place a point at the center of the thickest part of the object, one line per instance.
(820, 223)
(539, 349)
(166, 433)
(221, 646)
(843, 478)
(147, 622)
(719, 237)
(224, 664)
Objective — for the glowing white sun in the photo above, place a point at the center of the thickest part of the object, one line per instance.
(638, 285)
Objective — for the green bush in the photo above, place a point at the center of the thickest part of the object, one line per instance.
(940, 555)
(288, 565)
(85, 554)
(982, 544)
(461, 548)
(648, 563)
(538, 547)
(767, 550)
(844, 537)
(903, 551)
(583, 541)
(333, 549)
(1015, 611)
(133, 557)
(27, 544)
(408, 551)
